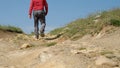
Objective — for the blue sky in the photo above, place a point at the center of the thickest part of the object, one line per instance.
(61, 12)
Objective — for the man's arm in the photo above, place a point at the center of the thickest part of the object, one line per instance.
(46, 7)
(31, 8)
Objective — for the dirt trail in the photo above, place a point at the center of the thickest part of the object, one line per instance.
(86, 52)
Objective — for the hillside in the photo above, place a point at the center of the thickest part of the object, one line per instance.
(93, 24)
(92, 42)
(10, 29)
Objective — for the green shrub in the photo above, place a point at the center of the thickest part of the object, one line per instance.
(106, 52)
(50, 44)
(115, 22)
(82, 48)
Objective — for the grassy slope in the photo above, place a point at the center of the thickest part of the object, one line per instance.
(80, 27)
(11, 29)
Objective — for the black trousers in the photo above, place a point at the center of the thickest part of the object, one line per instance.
(39, 16)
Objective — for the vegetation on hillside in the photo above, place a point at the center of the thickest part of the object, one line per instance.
(10, 29)
(91, 25)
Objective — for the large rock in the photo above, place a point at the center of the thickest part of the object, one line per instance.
(25, 45)
(44, 56)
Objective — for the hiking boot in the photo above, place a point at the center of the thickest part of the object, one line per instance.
(42, 34)
(37, 36)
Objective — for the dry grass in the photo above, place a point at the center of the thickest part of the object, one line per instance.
(81, 27)
(11, 29)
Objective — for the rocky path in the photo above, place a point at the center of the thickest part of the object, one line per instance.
(87, 52)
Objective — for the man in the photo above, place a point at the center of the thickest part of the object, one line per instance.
(40, 10)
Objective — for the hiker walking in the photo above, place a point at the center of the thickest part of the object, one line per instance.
(40, 10)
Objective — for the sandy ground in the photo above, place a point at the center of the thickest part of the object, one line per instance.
(100, 51)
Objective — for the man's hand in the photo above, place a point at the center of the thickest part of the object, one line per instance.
(30, 16)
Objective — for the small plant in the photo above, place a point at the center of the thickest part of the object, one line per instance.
(106, 52)
(50, 44)
(82, 48)
(56, 31)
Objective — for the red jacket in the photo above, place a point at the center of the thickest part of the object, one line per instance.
(38, 5)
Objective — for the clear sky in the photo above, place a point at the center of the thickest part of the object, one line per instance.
(61, 12)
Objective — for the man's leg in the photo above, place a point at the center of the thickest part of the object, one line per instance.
(43, 24)
(36, 25)
(36, 29)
